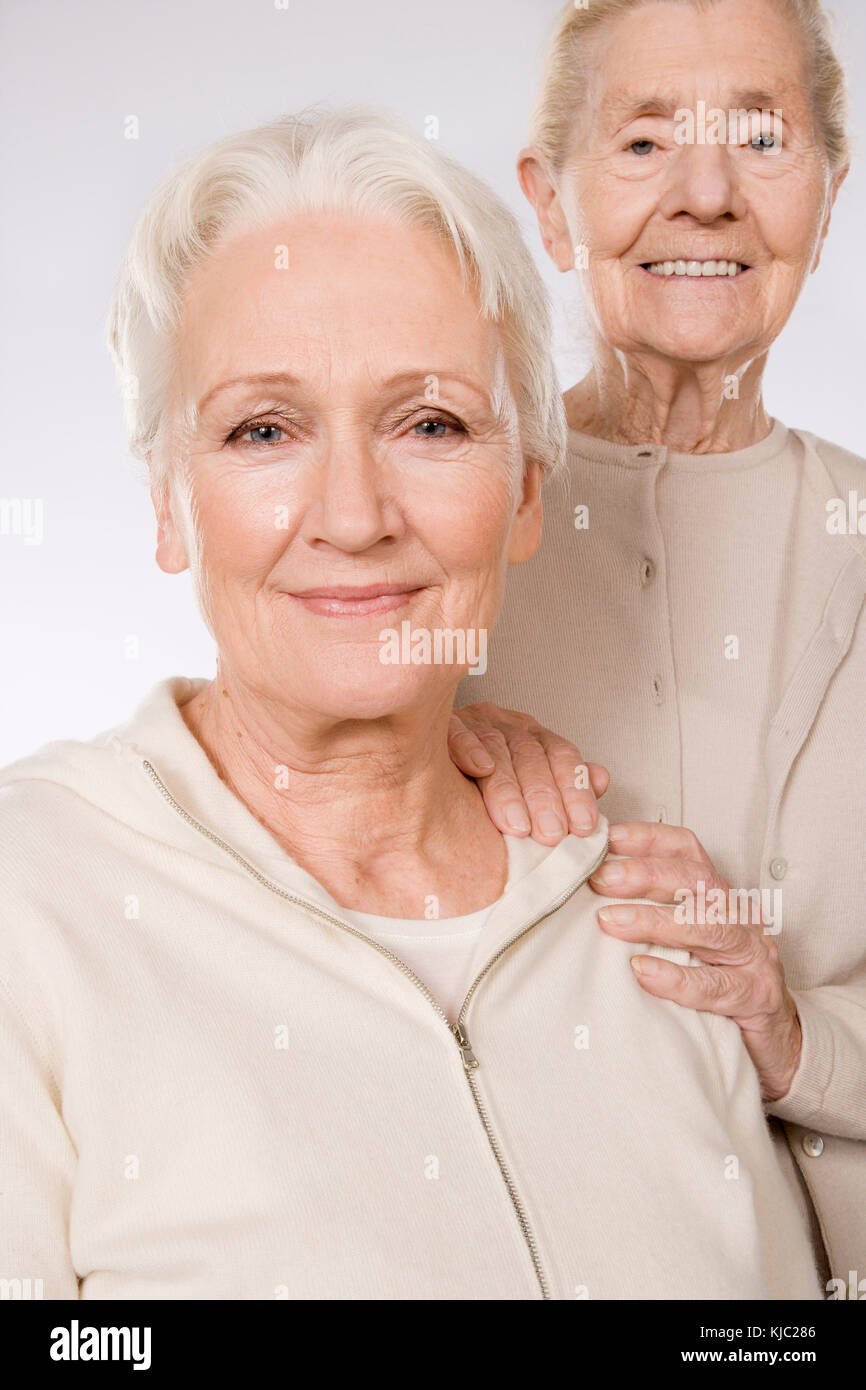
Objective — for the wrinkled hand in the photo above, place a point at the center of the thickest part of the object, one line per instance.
(533, 781)
(742, 975)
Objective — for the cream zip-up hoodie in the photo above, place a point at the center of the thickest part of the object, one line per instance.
(213, 1086)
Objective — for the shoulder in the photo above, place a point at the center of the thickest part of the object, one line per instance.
(39, 790)
(844, 468)
(58, 805)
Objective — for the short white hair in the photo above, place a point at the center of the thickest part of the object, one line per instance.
(358, 160)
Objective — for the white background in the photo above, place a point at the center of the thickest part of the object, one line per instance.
(193, 71)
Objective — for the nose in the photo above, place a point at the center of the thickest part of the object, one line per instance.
(703, 183)
(351, 508)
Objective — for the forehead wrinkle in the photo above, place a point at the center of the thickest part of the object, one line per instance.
(662, 100)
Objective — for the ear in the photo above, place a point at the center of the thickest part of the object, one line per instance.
(526, 527)
(171, 553)
(834, 190)
(538, 185)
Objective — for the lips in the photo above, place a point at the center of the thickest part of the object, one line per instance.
(349, 601)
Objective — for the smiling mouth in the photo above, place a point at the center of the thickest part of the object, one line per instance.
(340, 602)
(696, 270)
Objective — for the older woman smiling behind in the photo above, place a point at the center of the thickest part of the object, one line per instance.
(289, 1016)
(695, 614)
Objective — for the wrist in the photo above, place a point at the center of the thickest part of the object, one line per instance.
(776, 1086)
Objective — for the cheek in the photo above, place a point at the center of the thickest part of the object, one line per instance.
(467, 536)
(610, 213)
(240, 530)
(613, 218)
(466, 527)
(791, 226)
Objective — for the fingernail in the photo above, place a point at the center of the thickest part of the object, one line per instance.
(611, 873)
(517, 816)
(616, 832)
(549, 823)
(481, 764)
(619, 916)
(581, 819)
(644, 965)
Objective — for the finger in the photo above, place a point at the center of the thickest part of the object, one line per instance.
(466, 749)
(709, 988)
(541, 793)
(558, 794)
(656, 839)
(500, 790)
(555, 781)
(715, 943)
(599, 778)
(573, 781)
(662, 880)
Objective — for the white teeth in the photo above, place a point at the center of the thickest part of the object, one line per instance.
(695, 269)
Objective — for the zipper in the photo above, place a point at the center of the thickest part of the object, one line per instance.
(471, 1064)
(457, 1030)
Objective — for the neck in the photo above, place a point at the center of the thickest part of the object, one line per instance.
(704, 408)
(375, 809)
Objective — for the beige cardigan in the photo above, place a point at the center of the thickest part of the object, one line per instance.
(213, 1086)
(581, 640)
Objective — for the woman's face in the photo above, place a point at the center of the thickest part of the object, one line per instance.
(641, 188)
(353, 463)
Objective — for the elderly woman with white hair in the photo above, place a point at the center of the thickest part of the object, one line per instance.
(695, 613)
(283, 1013)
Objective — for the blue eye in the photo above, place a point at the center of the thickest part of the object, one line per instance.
(431, 429)
(642, 147)
(268, 431)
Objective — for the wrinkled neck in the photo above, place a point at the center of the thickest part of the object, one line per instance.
(691, 408)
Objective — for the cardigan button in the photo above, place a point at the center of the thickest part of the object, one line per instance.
(779, 867)
(813, 1145)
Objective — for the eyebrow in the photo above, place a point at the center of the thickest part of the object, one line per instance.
(420, 377)
(412, 376)
(665, 104)
(258, 379)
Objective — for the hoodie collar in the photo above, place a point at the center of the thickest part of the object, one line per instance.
(151, 773)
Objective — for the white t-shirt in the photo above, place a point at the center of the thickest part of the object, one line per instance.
(440, 951)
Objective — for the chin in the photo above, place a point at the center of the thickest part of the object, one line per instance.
(375, 694)
(698, 348)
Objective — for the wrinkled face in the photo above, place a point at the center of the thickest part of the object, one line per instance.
(355, 464)
(698, 235)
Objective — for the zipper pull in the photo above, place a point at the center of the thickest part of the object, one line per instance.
(469, 1059)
